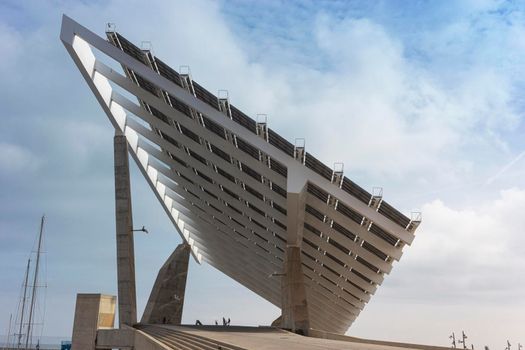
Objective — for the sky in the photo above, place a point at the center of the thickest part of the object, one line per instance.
(422, 98)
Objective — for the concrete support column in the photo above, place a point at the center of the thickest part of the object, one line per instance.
(127, 300)
(294, 301)
(295, 314)
(166, 300)
(92, 312)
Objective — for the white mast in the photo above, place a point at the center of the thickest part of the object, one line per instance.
(23, 306)
(9, 332)
(35, 281)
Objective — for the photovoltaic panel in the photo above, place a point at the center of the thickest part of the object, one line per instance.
(226, 188)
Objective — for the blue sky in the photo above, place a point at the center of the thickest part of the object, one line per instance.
(423, 98)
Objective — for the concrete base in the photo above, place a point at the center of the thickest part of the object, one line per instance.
(372, 344)
(116, 338)
(127, 338)
(166, 300)
(235, 337)
(92, 312)
(294, 306)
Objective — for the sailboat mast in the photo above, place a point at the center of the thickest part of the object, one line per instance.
(35, 280)
(23, 306)
(7, 344)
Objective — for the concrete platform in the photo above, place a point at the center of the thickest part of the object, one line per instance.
(266, 338)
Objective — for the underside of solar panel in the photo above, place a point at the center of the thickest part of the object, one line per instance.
(225, 181)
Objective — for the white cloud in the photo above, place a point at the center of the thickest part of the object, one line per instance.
(15, 159)
(11, 46)
(398, 115)
(468, 254)
(371, 105)
(463, 271)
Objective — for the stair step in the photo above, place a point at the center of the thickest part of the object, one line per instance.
(191, 344)
(178, 339)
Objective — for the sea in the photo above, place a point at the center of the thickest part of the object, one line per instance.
(46, 343)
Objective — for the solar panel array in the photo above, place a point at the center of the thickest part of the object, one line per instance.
(229, 198)
(344, 257)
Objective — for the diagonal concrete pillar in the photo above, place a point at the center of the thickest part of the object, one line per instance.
(294, 301)
(166, 300)
(127, 300)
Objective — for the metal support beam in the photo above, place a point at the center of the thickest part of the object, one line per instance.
(127, 300)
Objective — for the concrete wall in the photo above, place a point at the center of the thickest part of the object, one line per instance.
(92, 312)
(166, 300)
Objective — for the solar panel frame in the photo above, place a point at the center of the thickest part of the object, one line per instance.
(242, 119)
(317, 166)
(205, 187)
